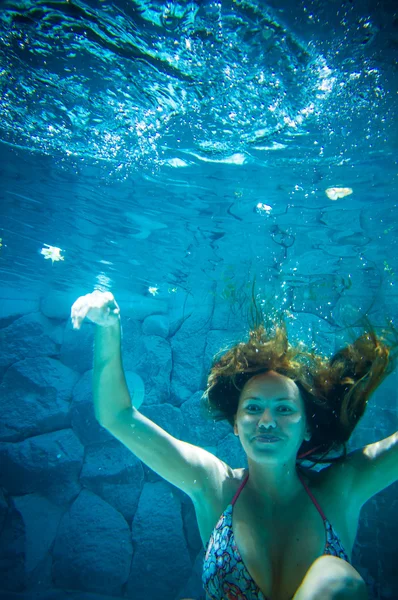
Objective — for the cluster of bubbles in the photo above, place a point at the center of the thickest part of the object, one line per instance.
(122, 84)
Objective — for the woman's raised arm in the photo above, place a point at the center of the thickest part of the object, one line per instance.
(186, 466)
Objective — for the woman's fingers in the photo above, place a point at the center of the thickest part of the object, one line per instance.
(97, 306)
(79, 311)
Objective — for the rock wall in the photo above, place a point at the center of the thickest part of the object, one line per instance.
(81, 516)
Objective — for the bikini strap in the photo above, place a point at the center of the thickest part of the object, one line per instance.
(242, 485)
(311, 495)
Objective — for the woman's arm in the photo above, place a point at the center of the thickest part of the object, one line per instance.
(110, 392)
(190, 468)
(186, 466)
(372, 468)
(182, 464)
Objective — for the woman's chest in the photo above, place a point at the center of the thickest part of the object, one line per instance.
(278, 552)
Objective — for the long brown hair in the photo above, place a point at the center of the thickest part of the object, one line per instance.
(335, 390)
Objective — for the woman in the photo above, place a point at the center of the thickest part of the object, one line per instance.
(273, 540)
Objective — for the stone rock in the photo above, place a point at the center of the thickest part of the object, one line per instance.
(84, 422)
(182, 305)
(191, 529)
(47, 464)
(3, 508)
(217, 343)
(92, 550)
(309, 328)
(15, 303)
(222, 319)
(77, 347)
(161, 561)
(57, 305)
(132, 343)
(140, 307)
(193, 588)
(115, 474)
(26, 337)
(155, 366)
(199, 429)
(136, 388)
(40, 520)
(188, 350)
(227, 319)
(156, 325)
(35, 396)
(168, 417)
(57, 333)
(231, 452)
(83, 417)
(12, 553)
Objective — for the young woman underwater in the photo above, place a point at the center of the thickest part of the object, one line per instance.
(273, 531)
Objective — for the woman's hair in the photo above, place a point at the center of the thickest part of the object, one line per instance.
(335, 390)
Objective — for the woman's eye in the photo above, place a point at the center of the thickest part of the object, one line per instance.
(253, 407)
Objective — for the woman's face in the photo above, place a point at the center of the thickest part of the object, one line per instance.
(270, 404)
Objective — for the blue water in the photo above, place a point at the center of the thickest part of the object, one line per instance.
(173, 151)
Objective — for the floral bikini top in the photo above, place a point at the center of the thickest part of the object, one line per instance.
(225, 576)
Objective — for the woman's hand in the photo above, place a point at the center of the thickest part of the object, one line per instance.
(99, 307)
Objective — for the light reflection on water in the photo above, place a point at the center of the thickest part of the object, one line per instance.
(132, 84)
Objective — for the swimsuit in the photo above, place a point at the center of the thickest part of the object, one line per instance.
(225, 576)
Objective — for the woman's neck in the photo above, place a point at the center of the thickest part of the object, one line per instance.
(275, 485)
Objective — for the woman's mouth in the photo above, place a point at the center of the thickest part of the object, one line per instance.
(268, 439)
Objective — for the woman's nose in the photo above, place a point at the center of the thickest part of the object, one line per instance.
(266, 418)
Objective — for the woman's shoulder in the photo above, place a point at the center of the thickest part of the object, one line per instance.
(324, 481)
(216, 497)
(332, 488)
(327, 478)
(229, 482)
(327, 484)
